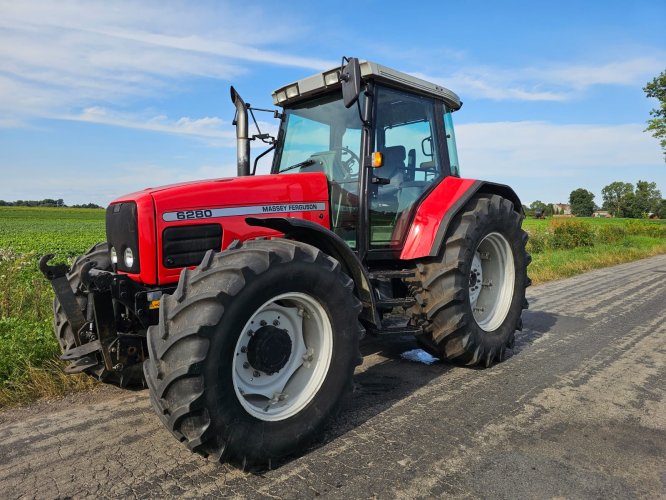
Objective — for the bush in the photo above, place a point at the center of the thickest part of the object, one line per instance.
(538, 242)
(611, 233)
(644, 228)
(571, 233)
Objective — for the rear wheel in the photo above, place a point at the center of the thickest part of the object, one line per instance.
(254, 351)
(129, 376)
(472, 296)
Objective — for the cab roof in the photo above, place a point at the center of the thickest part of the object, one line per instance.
(326, 81)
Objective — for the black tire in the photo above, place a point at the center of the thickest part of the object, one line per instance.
(444, 307)
(130, 376)
(189, 370)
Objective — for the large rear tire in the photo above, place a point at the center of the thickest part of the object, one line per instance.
(129, 376)
(471, 297)
(254, 351)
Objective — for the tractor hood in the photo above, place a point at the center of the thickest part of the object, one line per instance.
(174, 223)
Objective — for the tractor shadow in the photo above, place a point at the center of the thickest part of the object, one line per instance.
(535, 325)
(385, 378)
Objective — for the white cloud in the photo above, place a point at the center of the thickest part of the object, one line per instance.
(207, 127)
(216, 131)
(552, 82)
(547, 161)
(60, 57)
(627, 72)
(502, 150)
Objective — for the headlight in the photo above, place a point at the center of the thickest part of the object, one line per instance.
(114, 256)
(129, 257)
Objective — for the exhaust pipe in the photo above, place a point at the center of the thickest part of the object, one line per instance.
(242, 139)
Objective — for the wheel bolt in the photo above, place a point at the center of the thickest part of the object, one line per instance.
(276, 322)
(262, 323)
(246, 365)
(250, 332)
(244, 349)
(256, 373)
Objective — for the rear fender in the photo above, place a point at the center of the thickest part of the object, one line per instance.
(430, 224)
(331, 244)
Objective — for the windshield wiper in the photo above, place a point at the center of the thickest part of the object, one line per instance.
(305, 163)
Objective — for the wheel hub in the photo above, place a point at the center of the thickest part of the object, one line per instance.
(475, 279)
(269, 349)
(492, 281)
(282, 356)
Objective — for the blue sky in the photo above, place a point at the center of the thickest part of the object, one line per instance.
(98, 99)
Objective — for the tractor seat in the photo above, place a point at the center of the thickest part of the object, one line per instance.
(394, 166)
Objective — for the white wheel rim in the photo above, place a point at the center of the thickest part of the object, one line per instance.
(284, 393)
(491, 281)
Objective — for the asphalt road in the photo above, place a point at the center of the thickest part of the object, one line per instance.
(578, 410)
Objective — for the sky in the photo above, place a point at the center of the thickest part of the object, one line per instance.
(103, 98)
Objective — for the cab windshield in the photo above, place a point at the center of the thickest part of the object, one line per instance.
(323, 136)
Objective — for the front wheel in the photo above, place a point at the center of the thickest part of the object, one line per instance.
(472, 295)
(254, 351)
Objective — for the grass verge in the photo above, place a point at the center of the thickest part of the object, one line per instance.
(558, 264)
(46, 381)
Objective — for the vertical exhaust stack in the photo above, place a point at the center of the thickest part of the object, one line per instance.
(242, 139)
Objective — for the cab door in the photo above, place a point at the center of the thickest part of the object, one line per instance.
(407, 134)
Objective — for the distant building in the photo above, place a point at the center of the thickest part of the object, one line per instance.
(602, 214)
(561, 209)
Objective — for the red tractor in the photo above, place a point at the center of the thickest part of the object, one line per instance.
(241, 302)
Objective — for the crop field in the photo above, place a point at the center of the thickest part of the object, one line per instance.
(29, 367)
(28, 349)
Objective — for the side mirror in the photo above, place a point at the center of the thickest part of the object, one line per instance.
(426, 146)
(351, 82)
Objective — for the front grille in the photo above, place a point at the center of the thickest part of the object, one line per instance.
(184, 246)
(122, 232)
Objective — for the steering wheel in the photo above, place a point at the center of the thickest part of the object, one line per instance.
(348, 163)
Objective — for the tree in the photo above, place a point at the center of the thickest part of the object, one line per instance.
(661, 211)
(646, 199)
(615, 197)
(582, 202)
(657, 125)
(537, 205)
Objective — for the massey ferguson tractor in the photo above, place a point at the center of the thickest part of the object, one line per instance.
(240, 302)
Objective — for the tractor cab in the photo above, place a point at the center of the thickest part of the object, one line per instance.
(381, 151)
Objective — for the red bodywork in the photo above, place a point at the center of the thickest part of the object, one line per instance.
(254, 191)
(257, 190)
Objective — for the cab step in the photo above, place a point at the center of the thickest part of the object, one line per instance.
(390, 303)
(391, 273)
(396, 326)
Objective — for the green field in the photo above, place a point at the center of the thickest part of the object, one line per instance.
(29, 351)
(28, 348)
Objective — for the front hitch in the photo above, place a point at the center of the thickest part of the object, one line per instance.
(57, 275)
